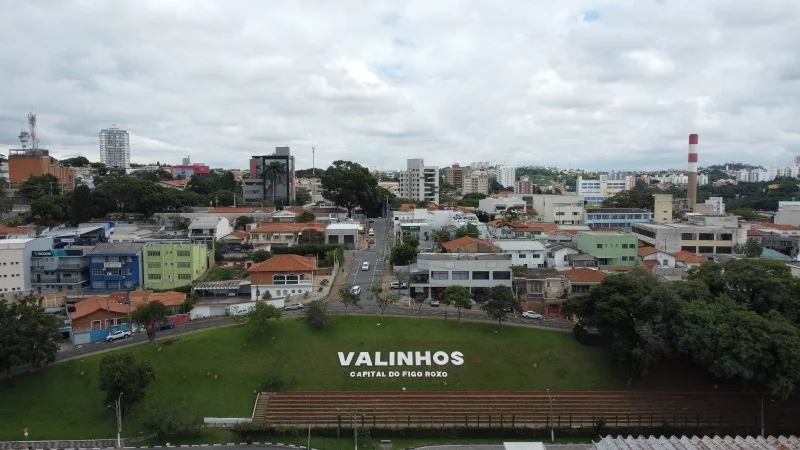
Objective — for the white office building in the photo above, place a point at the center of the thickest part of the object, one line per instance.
(115, 148)
(507, 175)
(595, 191)
(419, 182)
(15, 265)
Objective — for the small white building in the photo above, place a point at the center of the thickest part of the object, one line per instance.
(499, 205)
(15, 265)
(662, 259)
(524, 252)
(345, 233)
(557, 255)
(204, 230)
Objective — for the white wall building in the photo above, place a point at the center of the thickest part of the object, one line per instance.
(788, 213)
(560, 209)
(507, 175)
(524, 252)
(203, 230)
(15, 265)
(477, 182)
(595, 191)
(557, 254)
(498, 205)
(419, 182)
(115, 148)
(478, 272)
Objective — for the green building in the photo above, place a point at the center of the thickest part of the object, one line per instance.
(168, 266)
(610, 248)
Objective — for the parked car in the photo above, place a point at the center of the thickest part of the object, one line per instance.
(434, 302)
(119, 334)
(365, 265)
(371, 232)
(398, 285)
(532, 315)
(294, 307)
(165, 326)
(356, 290)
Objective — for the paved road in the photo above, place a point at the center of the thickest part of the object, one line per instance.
(376, 256)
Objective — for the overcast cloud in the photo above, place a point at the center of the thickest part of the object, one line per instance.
(617, 84)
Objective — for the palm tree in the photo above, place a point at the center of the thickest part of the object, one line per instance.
(274, 168)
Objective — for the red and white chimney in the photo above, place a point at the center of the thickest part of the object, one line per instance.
(691, 192)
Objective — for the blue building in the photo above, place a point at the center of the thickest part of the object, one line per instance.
(115, 267)
(599, 218)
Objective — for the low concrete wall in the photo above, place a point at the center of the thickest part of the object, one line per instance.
(63, 444)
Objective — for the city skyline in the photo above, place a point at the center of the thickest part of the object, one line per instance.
(574, 84)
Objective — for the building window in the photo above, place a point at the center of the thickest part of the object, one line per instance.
(154, 253)
(154, 265)
(705, 249)
(184, 253)
(439, 275)
(96, 325)
(523, 255)
(184, 265)
(460, 275)
(153, 276)
(292, 279)
(599, 245)
(480, 275)
(184, 276)
(706, 236)
(279, 279)
(726, 237)
(687, 236)
(501, 275)
(100, 285)
(97, 271)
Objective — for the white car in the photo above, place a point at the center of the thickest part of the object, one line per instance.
(356, 290)
(532, 315)
(398, 285)
(371, 232)
(119, 334)
(293, 307)
(365, 265)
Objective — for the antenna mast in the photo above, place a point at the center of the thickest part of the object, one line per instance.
(313, 162)
(32, 126)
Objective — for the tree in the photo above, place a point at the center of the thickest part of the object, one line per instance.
(242, 222)
(81, 207)
(272, 170)
(348, 184)
(751, 248)
(348, 298)
(501, 301)
(637, 197)
(411, 240)
(311, 236)
(27, 334)
(78, 161)
(305, 217)
(383, 299)
(259, 317)
(260, 256)
(458, 296)
(440, 236)
(317, 314)
(509, 216)
(302, 196)
(121, 374)
(36, 187)
(149, 316)
(402, 255)
(170, 419)
(467, 230)
(49, 209)
(6, 202)
(419, 301)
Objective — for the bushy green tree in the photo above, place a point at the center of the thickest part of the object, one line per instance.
(458, 296)
(348, 298)
(260, 316)
(120, 373)
(317, 314)
(27, 334)
(149, 316)
(501, 303)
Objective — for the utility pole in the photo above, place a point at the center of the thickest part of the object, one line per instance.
(313, 161)
(552, 429)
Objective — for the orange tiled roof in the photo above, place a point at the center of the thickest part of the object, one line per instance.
(753, 233)
(118, 302)
(775, 226)
(14, 230)
(689, 257)
(176, 183)
(285, 263)
(286, 227)
(647, 251)
(531, 227)
(466, 240)
(295, 209)
(406, 207)
(584, 275)
(239, 210)
(241, 234)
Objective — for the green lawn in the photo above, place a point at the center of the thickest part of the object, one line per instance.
(63, 400)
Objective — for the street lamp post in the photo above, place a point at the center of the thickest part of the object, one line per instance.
(355, 427)
(552, 428)
(118, 407)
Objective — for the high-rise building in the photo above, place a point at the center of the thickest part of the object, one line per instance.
(455, 176)
(271, 179)
(507, 175)
(662, 210)
(420, 182)
(115, 148)
(524, 186)
(595, 191)
(477, 182)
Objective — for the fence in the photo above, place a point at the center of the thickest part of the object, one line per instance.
(179, 319)
(86, 337)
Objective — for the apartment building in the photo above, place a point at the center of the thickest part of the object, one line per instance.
(455, 176)
(476, 183)
(610, 248)
(169, 266)
(266, 186)
(622, 218)
(524, 252)
(15, 263)
(115, 267)
(433, 272)
(204, 230)
(115, 148)
(499, 205)
(558, 209)
(700, 234)
(506, 175)
(524, 186)
(594, 192)
(419, 182)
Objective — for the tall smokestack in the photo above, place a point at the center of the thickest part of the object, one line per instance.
(692, 190)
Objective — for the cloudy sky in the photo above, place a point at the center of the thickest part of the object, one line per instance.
(617, 84)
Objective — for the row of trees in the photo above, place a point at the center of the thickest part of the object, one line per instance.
(740, 320)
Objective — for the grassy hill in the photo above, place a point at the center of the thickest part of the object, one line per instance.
(64, 401)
